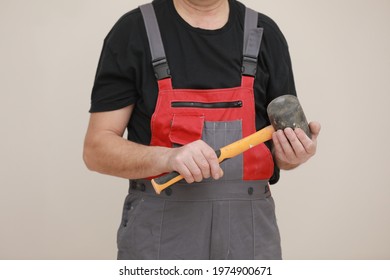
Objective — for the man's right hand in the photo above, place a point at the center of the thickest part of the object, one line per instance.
(195, 161)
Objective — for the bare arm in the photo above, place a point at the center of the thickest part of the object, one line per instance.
(107, 152)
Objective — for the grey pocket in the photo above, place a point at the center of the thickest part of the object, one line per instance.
(220, 134)
(130, 209)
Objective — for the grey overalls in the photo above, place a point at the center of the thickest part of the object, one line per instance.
(232, 218)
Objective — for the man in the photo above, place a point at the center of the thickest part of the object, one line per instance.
(186, 77)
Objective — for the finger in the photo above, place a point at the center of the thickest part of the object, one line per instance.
(216, 170)
(203, 165)
(188, 162)
(213, 164)
(309, 145)
(279, 153)
(315, 128)
(186, 173)
(220, 174)
(180, 162)
(286, 146)
(296, 144)
(196, 172)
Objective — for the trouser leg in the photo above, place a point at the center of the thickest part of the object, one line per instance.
(244, 230)
(199, 222)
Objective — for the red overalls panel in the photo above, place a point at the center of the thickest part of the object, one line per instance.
(181, 114)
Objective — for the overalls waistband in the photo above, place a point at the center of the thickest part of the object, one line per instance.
(208, 190)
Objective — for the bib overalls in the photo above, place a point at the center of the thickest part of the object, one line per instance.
(231, 218)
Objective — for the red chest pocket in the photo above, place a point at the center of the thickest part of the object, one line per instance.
(186, 128)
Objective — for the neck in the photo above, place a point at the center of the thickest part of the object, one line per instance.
(205, 14)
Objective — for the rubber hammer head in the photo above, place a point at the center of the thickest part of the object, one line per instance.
(285, 111)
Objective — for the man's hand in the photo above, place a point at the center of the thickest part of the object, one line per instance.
(294, 147)
(195, 161)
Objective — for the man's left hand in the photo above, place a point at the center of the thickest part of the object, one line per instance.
(294, 147)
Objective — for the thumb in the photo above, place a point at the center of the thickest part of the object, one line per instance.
(315, 128)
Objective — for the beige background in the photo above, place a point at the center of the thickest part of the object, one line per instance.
(337, 206)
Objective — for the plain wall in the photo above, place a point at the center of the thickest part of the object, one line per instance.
(336, 206)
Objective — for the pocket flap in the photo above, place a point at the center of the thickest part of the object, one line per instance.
(186, 128)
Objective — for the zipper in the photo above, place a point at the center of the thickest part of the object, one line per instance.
(210, 105)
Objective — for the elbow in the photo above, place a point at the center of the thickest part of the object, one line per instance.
(88, 157)
(87, 160)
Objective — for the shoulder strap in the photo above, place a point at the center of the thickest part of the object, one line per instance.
(159, 61)
(252, 41)
(251, 47)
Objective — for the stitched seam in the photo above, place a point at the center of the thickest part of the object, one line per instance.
(211, 230)
(253, 230)
(161, 225)
(228, 251)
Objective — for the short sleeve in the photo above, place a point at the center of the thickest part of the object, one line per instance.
(114, 85)
(277, 60)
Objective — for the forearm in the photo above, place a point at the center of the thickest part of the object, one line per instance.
(111, 154)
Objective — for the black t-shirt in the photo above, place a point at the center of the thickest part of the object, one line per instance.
(198, 59)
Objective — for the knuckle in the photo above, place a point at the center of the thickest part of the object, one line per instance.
(210, 154)
(198, 143)
(183, 171)
(178, 158)
(196, 173)
(204, 165)
(215, 167)
(199, 179)
(293, 139)
(284, 141)
(189, 180)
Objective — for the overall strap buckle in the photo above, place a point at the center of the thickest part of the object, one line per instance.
(159, 61)
(161, 68)
(252, 42)
(249, 66)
